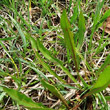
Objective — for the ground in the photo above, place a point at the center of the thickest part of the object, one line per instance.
(34, 48)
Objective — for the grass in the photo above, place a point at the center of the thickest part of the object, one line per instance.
(54, 55)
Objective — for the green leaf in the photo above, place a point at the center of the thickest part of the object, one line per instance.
(101, 47)
(39, 72)
(22, 18)
(32, 66)
(36, 44)
(47, 53)
(2, 74)
(97, 12)
(68, 37)
(102, 82)
(75, 15)
(8, 38)
(81, 31)
(19, 30)
(22, 99)
(2, 95)
(84, 82)
(103, 66)
(96, 20)
(46, 66)
(104, 17)
(54, 90)
(40, 109)
(107, 98)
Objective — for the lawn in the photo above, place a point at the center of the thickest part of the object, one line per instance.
(54, 55)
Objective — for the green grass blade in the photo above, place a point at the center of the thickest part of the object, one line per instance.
(22, 99)
(101, 47)
(68, 37)
(13, 62)
(54, 90)
(104, 17)
(70, 4)
(102, 82)
(36, 44)
(75, 15)
(81, 30)
(20, 31)
(46, 66)
(82, 58)
(104, 65)
(84, 82)
(21, 17)
(39, 72)
(5, 39)
(107, 98)
(32, 66)
(48, 55)
(40, 109)
(3, 74)
(97, 11)
(2, 95)
(96, 19)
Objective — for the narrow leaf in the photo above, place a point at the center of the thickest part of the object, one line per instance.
(68, 37)
(39, 72)
(107, 98)
(47, 53)
(36, 44)
(32, 66)
(19, 30)
(102, 82)
(22, 99)
(97, 12)
(54, 90)
(8, 38)
(103, 66)
(75, 15)
(46, 66)
(2, 74)
(104, 17)
(40, 109)
(81, 31)
(96, 20)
